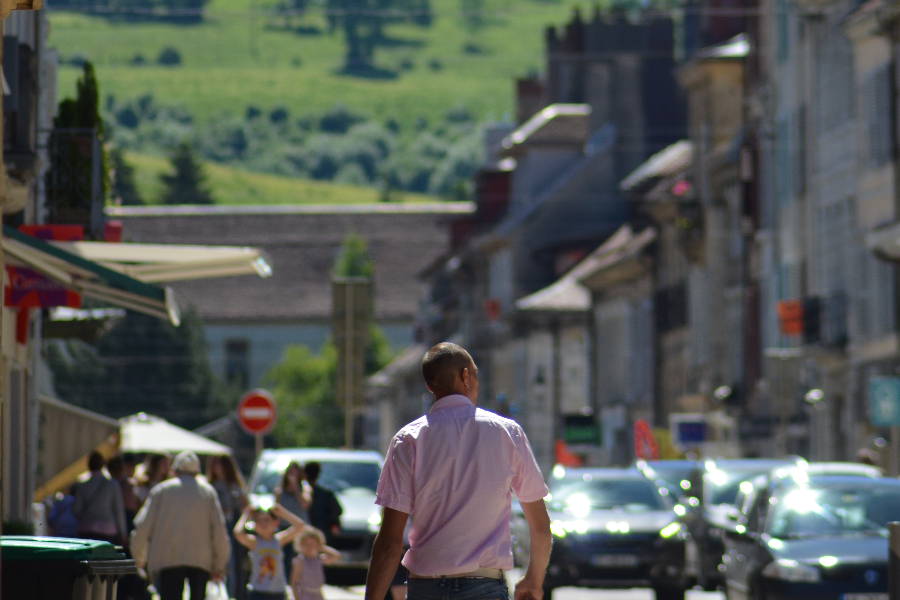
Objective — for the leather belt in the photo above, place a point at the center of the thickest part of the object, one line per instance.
(480, 572)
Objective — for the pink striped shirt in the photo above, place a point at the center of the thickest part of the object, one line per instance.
(452, 470)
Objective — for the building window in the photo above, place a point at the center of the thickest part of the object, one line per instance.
(876, 92)
(237, 362)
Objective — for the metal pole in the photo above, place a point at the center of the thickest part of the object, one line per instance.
(894, 561)
(259, 445)
(348, 366)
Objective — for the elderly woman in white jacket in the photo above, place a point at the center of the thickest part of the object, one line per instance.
(180, 533)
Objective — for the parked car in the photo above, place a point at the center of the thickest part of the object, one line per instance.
(820, 537)
(712, 512)
(351, 474)
(614, 528)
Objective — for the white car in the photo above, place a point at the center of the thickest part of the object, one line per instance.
(351, 474)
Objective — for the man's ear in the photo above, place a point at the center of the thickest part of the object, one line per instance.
(464, 375)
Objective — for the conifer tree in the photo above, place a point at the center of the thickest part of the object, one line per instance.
(187, 183)
(124, 188)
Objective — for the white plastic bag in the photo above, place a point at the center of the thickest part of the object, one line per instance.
(215, 590)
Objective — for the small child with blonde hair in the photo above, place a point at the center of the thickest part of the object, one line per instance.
(307, 574)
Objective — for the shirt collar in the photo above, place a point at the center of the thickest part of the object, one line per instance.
(451, 400)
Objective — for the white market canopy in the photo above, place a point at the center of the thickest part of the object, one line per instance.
(146, 433)
(156, 263)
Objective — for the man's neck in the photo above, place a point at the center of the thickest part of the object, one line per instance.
(436, 399)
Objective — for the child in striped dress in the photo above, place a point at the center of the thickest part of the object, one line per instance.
(307, 574)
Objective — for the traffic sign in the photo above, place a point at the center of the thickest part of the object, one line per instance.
(256, 412)
(884, 401)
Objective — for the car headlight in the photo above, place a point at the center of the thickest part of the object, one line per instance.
(791, 570)
(374, 521)
(558, 529)
(670, 530)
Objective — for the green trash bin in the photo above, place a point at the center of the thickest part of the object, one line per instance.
(46, 568)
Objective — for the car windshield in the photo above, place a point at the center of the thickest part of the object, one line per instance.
(337, 476)
(722, 486)
(855, 509)
(675, 475)
(626, 494)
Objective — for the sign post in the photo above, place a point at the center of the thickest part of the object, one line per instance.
(256, 415)
(351, 302)
(884, 411)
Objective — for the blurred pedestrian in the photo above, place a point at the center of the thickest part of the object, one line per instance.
(452, 473)
(324, 510)
(223, 475)
(307, 572)
(61, 518)
(121, 469)
(156, 470)
(98, 505)
(266, 545)
(295, 495)
(183, 525)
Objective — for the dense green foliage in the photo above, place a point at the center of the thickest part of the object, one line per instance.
(339, 144)
(186, 184)
(142, 364)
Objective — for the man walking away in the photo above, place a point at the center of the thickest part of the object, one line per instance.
(98, 505)
(324, 511)
(451, 473)
(183, 525)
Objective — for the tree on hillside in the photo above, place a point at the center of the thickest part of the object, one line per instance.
(303, 384)
(187, 183)
(124, 188)
(80, 113)
(143, 364)
(363, 22)
(473, 15)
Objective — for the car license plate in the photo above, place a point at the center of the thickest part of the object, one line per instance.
(864, 597)
(614, 560)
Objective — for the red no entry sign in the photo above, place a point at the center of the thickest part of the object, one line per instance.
(256, 412)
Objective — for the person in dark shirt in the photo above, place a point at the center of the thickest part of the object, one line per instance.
(325, 510)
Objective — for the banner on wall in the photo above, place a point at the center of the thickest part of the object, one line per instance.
(29, 289)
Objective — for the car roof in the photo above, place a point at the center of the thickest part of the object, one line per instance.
(321, 454)
(679, 463)
(597, 473)
(750, 464)
(854, 480)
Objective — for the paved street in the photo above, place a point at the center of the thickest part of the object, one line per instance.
(569, 593)
(356, 593)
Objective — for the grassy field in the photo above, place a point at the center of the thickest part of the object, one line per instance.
(236, 186)
(235, 59)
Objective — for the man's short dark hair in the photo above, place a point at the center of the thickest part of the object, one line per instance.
(441, 364)
(312, 470)
(96, 461)
(116, 467)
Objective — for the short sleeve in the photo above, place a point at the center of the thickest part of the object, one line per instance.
(396, 485)
(527, 482)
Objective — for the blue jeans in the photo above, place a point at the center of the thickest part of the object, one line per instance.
(457, 588)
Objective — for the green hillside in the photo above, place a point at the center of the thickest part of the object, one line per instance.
(237, 186)
(237, 57)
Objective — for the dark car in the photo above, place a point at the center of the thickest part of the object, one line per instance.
(822, 538)
(708, 520)
(613, 528)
